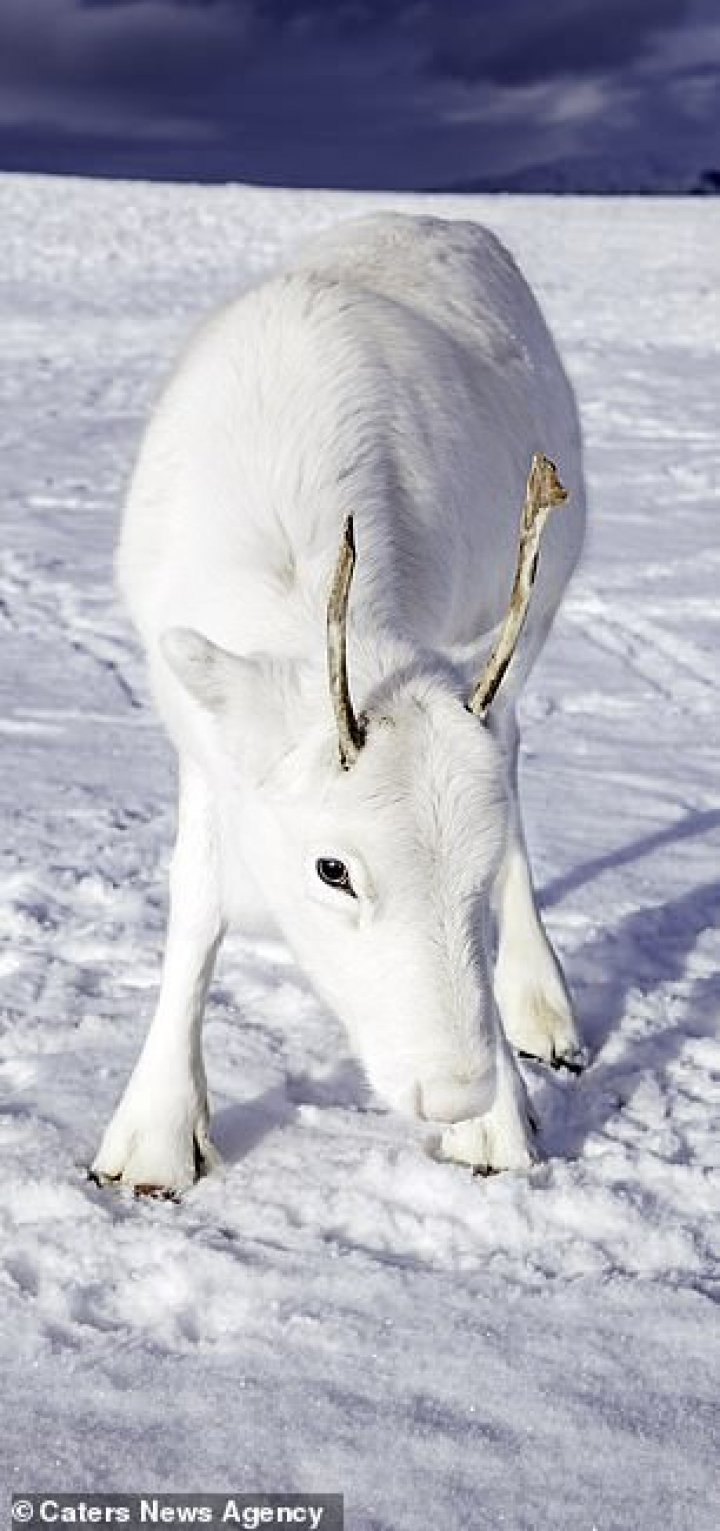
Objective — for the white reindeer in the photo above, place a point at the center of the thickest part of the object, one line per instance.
(399, 374)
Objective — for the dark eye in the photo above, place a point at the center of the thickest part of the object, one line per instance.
(335, 874)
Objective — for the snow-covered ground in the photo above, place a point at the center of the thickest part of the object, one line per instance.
(335, 1310)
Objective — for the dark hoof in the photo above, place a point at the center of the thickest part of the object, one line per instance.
(574, 1062)
(155, 1193)
(101, 1181)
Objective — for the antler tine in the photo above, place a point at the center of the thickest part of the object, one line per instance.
(351, 732)
(543, 492)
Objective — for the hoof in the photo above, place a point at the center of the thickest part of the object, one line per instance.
(573, 1059)
(504, 1139)
(157, 1156)
(545, 1032)
(155, 1193)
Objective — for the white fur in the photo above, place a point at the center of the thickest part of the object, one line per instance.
(401, 372)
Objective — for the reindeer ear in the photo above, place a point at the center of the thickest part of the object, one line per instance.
(209, 673)
(252, 697)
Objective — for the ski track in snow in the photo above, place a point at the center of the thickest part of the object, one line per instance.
(335, 1309)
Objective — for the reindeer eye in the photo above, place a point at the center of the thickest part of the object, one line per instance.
(335, 874)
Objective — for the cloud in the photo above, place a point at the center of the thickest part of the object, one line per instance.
(518, 42)
(352, 92)
(154, 57)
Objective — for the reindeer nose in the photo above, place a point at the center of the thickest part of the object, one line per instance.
(452, 1097)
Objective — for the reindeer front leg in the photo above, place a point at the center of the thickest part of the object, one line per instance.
(529, 986)
(158, 1138)
(530, 989)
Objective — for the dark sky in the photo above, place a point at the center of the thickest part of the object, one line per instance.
(365, 93)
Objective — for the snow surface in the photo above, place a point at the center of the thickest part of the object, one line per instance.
(335, 1310)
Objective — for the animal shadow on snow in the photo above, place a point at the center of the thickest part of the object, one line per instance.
(648, 949)
(238, 1129)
